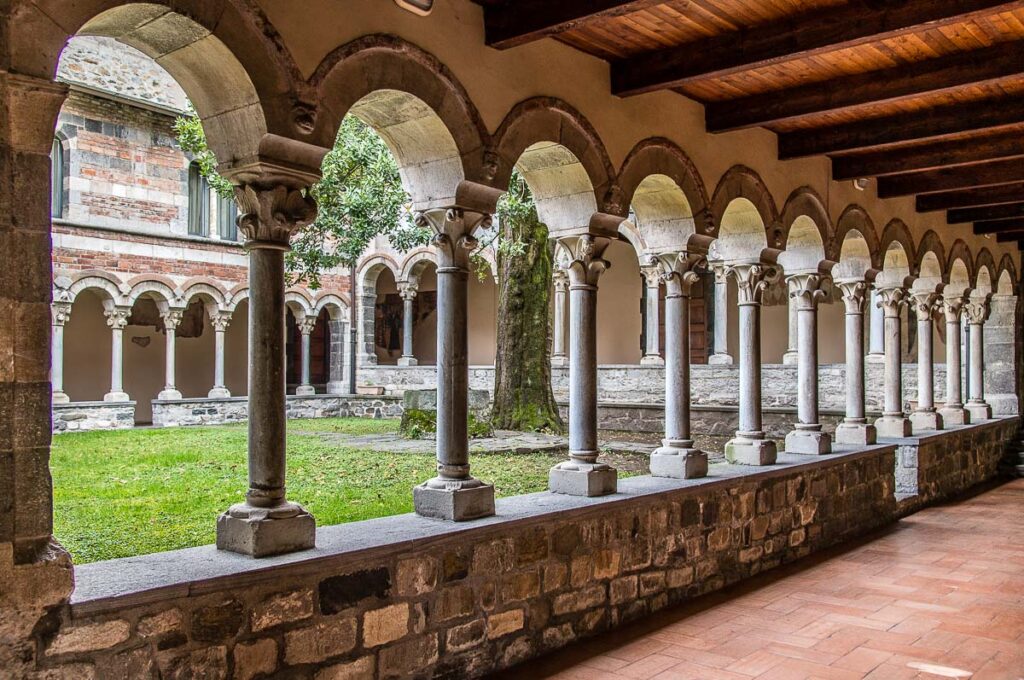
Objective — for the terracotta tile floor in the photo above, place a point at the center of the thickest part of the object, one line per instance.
(938, 595)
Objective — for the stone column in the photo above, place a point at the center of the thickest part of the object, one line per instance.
(677, 456)
(976, 311)
(652, 323)
(894, 422)
(367, 326)
(925, 417)
(267, 523)
(336, 384)
(876, 330)
(721, 354)
(408, 293)
(792, 353)
(171, 319)
(117, 319)
(561, 283)
(750, 447)
(855, 428)
(306, 328)
(60, 313)
(1001, 355)
(805, 290)
(453, 494)
(220, 322)
(582, 474)
(953, 413)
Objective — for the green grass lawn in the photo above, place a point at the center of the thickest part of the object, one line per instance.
(134, 492)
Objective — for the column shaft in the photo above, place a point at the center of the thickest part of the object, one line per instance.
(652, 320)
(558, 357)
(220, 327)
(925, 417)
(306, 333)
(977, 313)
(408, 292)
(721, 326)
(855, 429)
(57, 364)
(117, 319)
(805, 290)
(953, 412)
(893, 422)
(876, 347)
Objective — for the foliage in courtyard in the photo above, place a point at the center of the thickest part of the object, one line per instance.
(418, 423)
(134, 492)
(523, 399)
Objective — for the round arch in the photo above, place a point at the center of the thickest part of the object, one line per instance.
(896, 233)
(1007, 276)
(930, 259)
(961, 252)
(109, 287)
(742, 209)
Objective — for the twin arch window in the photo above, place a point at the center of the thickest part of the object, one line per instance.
(202, 202)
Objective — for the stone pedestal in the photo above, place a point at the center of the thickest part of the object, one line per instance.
(893, 426)
(753, 450)
(856, 434)
(262, 532)
(720, 360)
(582, 479)
(679, 460)
(812, 442)
(926, 420)
(978, 412)
(467, 500)
(408, 361)
(169, 395)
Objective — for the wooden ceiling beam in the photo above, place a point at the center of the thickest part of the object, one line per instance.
(518, 22)
(1010, 236)
(992, 212)
(967, 198)
(930, 155)
(999, 226)
(936, 122)
(794, 37)
(931, 76)
(1002, 171)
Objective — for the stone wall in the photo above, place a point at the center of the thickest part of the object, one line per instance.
(171, 413)
(710, 385)
(429, 599)
(93, 415)
(938, 467)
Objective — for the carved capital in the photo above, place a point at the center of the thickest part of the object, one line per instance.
(953, 307)
(721, 273)
(976, 310)
(891, 300)
(678, 271)
(61, 312)
(925, 303)
(172, 318)
(117, 317)
(586, 265)
(268, 216)
(807, 290)
(307, 325)
(854, 295)
(752, 280)
(453, 234)
(220, 321)
(560, 279)
(652, 271)
(408, 291)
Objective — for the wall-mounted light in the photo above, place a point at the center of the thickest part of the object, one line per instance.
(421, 7)
(861, 183)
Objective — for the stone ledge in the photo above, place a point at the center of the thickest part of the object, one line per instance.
(133, 581)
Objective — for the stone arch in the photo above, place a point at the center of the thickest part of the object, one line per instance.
(806, 228)
(201, 285)
(896, 233)
(985, 272)
(666, 193)
(415, 104)
(110, 287)
(243, 90)
(853, 258)
(298, 302)
(1007, 276)
(631, 233)
(414, 263)
(371, 268)
(853, 218)
(930, 259)
(960, 252)
(562, 159)
(156, 287)
(336, 304)
(742, 209)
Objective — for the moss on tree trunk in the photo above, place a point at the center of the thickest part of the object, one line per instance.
(523, 399)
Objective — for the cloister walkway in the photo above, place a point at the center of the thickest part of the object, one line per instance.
(938, 595)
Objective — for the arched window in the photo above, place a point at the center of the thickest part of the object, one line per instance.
(198, 202)
(57, 178)
(227, 216)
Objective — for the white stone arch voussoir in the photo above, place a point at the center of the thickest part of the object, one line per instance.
(299, 302)
(110, 288)
(161, 290)
(414, 264)
(336, 304)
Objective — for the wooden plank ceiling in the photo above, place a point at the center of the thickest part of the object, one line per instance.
(925, 96)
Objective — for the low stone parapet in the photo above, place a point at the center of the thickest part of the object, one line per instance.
(205, 411)
(407, 596)
(82, 416)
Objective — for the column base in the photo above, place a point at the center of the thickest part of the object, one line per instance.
(116, 396)
(720, 360)
(893, 426)
(680, 461)
(857, 434)
(169, 395)
(408, 361)
(261, 532)
(979, 411)
(582, 479)
(746, 451)
(560, 361)
(304, 390)
(453, 500)
(337, 387)
(875, 358)
(954, 415)
(812, 442)
(790, 358)
(61, 398)
(926, 420)
(651, 360)
(219, 393)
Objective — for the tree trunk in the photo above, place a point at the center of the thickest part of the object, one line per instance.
(523, 399)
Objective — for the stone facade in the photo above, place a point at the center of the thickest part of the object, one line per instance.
(172, 413)
(477, 599)
(83, 416)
